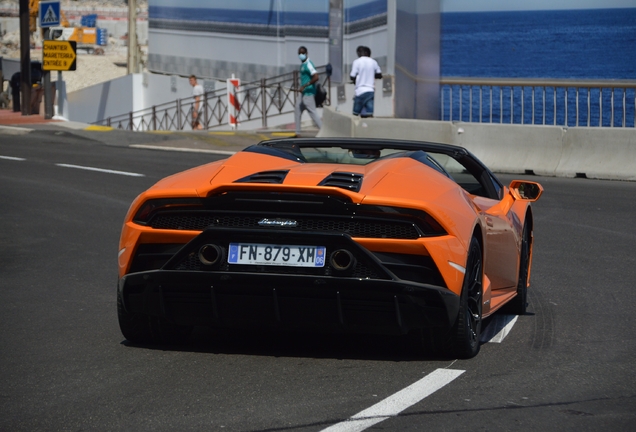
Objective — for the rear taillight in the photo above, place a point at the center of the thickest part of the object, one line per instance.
(153, 206)
(425, 224)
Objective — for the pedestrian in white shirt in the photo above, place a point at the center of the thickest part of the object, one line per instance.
(364, 72)
(197, 92)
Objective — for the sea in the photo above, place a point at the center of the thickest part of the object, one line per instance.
(560, 44)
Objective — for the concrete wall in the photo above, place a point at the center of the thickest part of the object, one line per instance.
(593, 152)
(417, 59)
(102, 100)
(123, 95)
(160, 89)
(218, 56)
(258, 41)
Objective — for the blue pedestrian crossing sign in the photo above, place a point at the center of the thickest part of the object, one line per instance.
(49, 14)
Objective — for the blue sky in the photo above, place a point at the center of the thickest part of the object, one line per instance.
(512, 5)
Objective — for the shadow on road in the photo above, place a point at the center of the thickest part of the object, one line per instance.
(276, 344)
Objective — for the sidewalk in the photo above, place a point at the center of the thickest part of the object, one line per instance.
(212, 141)
(10, 118)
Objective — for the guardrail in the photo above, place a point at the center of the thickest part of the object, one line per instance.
(262, 99)
(539, 101)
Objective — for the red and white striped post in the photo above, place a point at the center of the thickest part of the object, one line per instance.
(233, 105)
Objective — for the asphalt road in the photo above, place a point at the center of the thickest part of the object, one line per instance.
(566, 365)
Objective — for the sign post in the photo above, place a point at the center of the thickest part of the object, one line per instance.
(48, 95)
(25, 60)
(49, 15)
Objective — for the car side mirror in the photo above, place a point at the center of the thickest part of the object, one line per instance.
(525, 190)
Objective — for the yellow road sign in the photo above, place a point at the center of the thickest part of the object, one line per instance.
(59, 55)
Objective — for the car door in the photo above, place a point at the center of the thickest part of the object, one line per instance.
(501, 245)
(501, 249)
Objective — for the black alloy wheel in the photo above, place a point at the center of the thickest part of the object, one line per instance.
(465, 334)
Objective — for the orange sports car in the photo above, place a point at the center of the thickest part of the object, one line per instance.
(338, 234)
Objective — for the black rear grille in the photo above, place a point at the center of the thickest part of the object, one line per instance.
(295, 211)
(200, 220)
(364, 228)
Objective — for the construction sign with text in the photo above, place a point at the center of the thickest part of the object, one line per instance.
(59, 55)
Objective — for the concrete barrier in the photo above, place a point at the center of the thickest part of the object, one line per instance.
(512, 148)
(602, 153)
(336, 124)
(435, 131)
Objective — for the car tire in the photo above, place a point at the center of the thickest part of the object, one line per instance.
(142, 329)
(519, 304)
(463, 340)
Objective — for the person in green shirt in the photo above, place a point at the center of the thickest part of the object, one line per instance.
(308, 78)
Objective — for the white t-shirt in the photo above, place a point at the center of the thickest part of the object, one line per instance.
(363, 70)
(197, 90)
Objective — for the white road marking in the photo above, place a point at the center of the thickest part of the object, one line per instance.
(395, 404)
(12, 130)
(12, 158)
(498, 328)
(151, 147)
(101, 170)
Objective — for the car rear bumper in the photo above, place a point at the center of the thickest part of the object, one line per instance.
(233, 296)
(255, 300)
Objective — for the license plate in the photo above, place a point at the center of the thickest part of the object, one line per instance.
(277, 255)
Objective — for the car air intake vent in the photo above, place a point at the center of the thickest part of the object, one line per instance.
(264, 177)
(344, 180)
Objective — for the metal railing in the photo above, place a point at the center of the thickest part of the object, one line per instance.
(609, 103)
(262, 99)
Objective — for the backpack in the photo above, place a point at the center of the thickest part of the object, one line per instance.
(321, 95)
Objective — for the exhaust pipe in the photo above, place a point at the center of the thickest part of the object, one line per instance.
(342, 260)
(210, 254)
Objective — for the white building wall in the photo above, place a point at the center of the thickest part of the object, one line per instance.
(125, 94)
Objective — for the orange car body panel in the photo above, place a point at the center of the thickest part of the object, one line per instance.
(399, 182)
(379, 188)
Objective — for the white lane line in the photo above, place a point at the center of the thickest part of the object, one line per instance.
(12, 158)
(395, 404)
(191, 150)
(498, 328)
(12, 130)
(101, 170)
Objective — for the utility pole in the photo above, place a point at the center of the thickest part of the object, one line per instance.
(133, 50)
(46, 81)
(25, 58)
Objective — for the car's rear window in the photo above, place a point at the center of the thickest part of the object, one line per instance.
(341, 155)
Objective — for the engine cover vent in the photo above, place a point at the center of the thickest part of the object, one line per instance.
(345, 180)
(264, 177)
